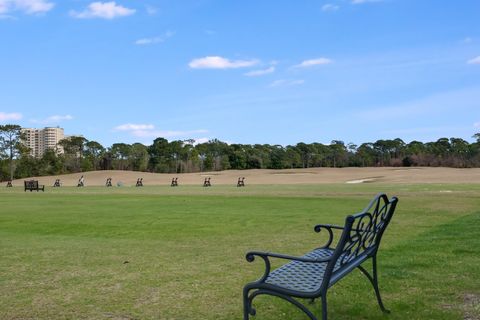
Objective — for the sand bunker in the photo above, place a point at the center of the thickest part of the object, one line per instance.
(287, 176)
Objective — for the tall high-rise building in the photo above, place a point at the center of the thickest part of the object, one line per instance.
(40, 140)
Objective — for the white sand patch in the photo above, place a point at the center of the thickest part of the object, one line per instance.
(360, 181)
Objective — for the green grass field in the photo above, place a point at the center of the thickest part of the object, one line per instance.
(178, 253)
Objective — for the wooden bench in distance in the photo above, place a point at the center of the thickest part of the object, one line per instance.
(33, 185)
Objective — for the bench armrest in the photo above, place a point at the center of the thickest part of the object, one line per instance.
(250, 256)
(318, 227)
(329, 227)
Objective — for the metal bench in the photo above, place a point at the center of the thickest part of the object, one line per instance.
(33, 185)
(241, 182)
(81, 182)
(310, 276)
(207, 183)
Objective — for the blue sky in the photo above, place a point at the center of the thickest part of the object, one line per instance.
(277, 72)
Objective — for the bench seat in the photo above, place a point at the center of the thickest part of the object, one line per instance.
(301, 276)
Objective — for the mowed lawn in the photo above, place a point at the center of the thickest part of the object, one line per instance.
(179, 253)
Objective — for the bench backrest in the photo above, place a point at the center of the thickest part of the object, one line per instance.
(360, 238)
(32, 184)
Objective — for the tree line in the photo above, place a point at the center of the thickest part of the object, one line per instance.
(183, 156)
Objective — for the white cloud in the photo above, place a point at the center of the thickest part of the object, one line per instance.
(10, 116)
(476, 125)
(59, 118)
(313, 62)
(53, 119)
(154, 40)
(330, 7)
(474, 60)
(26, 6)
(145, 41)
(149, 131)
(286, 83)
(201, 140)
(151, 10)
(467, 40)
(216, 62)
(164, 133)
(257, 73)
(103, 10)
(364, 1)
(133, 127)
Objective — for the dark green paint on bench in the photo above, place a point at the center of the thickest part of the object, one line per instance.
(310, 276)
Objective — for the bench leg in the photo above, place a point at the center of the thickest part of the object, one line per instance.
(374, 281)
(247, 306)
(324, 307)
(249, 310)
